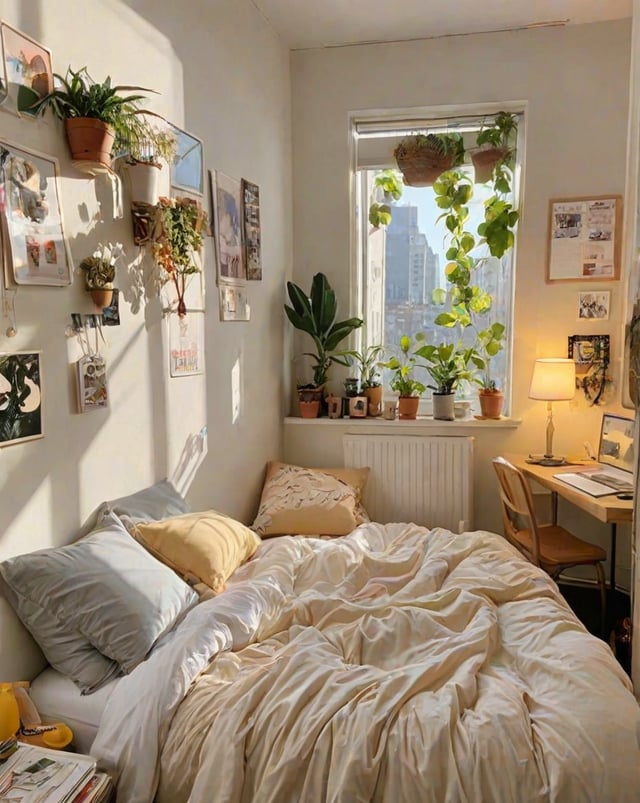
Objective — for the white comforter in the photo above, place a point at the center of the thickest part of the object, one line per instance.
(396, 664)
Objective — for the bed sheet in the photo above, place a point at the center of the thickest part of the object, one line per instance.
(396, 663)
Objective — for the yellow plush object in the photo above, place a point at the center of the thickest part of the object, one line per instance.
(311, 501)
(204, 548)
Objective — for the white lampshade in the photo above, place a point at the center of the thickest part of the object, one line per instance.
(554, 379)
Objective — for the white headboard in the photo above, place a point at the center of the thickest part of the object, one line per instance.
(20, 656)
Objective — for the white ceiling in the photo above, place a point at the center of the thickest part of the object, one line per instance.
(326, 23)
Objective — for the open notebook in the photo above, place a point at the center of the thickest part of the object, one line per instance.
(614, 474)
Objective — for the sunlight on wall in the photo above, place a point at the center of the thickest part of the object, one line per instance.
(236, 396)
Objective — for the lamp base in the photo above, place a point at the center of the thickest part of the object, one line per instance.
(546, 460)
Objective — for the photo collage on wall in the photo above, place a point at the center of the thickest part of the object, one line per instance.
(236, 228)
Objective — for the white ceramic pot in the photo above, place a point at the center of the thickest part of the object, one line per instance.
(144, 182)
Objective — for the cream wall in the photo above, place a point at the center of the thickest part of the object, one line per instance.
(222, 74)
(575, 81)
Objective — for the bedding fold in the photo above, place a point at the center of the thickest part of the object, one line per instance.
(394, 664)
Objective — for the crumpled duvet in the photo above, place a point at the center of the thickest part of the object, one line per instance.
(396, 664)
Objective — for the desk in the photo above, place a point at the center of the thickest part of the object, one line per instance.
(608, 509)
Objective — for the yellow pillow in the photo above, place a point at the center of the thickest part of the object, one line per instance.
(311, 501)
(203, 548)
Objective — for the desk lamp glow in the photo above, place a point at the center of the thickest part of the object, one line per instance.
(554, 379)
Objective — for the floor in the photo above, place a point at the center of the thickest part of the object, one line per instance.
(585, 602)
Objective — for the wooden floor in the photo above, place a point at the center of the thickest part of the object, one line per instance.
(585, 602)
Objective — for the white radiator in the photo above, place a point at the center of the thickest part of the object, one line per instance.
(426, 480)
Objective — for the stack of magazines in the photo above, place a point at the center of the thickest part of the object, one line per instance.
(98, 789)
(37, 775)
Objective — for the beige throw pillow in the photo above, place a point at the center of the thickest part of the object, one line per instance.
(204, 548)
(311, 501)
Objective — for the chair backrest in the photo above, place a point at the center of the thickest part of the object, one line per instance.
(518, 513)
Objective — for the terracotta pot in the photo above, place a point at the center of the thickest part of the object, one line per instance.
(484, 162)
(89, 139)
(491, 402)
(423, 168)
(408, 407)
(309, 409)
(443, 406)
(374, 396)
(101, 297)
(310, 393)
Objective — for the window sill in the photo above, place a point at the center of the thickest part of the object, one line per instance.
(421, 424)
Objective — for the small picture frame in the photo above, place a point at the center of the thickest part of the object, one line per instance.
(234, 305)
(92, 383)
(27, 69)
(251, 223)
(227, 196)
(587, 350)
(187, 169)
(594, 305)
(584, 238)
(21, 415)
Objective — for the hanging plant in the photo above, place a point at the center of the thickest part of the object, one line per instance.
(177, 242)
(387, 187)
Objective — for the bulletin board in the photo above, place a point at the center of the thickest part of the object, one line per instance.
(584, 239)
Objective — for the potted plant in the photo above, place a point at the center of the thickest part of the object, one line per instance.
(316, 315)
(496, 143)
(178, 241)
(367, 363)
(408, 388)
(100, 273)
(97, 119)
(148, 151)
(423, 157)
(447, 366)
(489, 343)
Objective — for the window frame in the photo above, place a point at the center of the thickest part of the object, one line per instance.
(437, 116)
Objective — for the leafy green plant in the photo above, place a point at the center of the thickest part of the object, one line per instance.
(501, 133)
(442, 145)
(386, 183)
(316, 314)
(367, 363)
(469, 303)
(446, 365)
(180, 223)
(78, 95)
(402, 365)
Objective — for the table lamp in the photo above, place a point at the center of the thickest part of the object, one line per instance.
(554, 379)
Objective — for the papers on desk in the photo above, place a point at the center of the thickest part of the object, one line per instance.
(38, 775)
(584, 483)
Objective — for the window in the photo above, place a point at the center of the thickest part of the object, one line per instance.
(401, 264)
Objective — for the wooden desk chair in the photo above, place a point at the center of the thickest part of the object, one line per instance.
(548, 546)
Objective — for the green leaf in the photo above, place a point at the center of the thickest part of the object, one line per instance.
(445, 319)
(439, 296)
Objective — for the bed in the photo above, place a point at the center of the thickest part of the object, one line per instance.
(393, 663)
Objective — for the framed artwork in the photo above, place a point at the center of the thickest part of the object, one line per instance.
(228, 227)
(594, 306)
(586, 350)
(21, 416)
(251, 223)
(36, 243)
(186, 344)
(187, 170)
(92, 383)
(27, 69)
(584, 240)
(234, 305)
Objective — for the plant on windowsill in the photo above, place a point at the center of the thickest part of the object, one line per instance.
(98, 119)
(447, 366)
(408, 388)
(496, 145)
(421, 158)
(368, 380)
(177, 243)
(316, 315)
